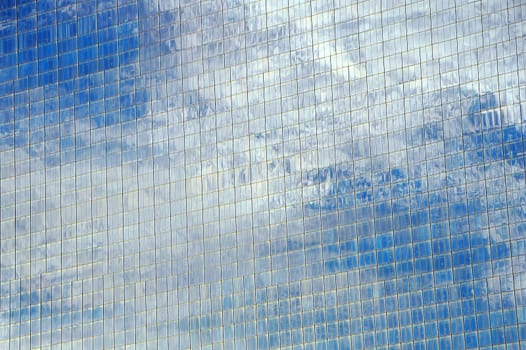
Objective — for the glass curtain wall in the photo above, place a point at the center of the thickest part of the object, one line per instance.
(255, 174)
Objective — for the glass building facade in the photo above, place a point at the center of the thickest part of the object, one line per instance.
(254, 174)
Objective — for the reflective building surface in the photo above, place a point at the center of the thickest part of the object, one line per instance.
(256, 174)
